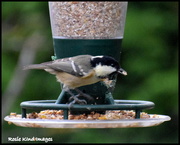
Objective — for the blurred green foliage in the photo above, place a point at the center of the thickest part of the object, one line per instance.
(149, 54)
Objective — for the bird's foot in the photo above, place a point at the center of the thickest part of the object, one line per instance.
(89, 99)
(75, 100)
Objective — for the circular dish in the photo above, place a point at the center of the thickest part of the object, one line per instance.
(121, 123)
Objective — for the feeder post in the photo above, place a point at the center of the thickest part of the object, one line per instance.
(138, 112)
(23, 110)
(66, 114)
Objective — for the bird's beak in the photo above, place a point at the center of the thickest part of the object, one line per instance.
(122, 71)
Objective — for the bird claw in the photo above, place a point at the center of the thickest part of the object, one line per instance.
(81, 98)
(88, 98)
(76, 100)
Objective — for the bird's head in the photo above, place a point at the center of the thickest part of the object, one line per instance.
(106, 66)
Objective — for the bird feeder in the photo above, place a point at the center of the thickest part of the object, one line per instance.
(94, 28)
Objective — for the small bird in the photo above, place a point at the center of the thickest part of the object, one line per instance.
(81, 70)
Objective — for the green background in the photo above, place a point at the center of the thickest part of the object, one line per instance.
(149, 55)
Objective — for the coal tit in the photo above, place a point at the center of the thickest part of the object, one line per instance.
(81, 70)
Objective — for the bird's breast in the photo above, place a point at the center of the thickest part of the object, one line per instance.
(75, 82)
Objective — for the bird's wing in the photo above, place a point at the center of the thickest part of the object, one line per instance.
(67, 66)
(77, 66)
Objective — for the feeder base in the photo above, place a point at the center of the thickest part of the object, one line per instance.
(122, 123)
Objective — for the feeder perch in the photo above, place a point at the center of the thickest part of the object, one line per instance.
(94, 28)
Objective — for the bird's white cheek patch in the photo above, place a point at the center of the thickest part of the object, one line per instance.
(102, 70)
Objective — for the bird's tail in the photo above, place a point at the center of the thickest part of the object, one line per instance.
(35, 66)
